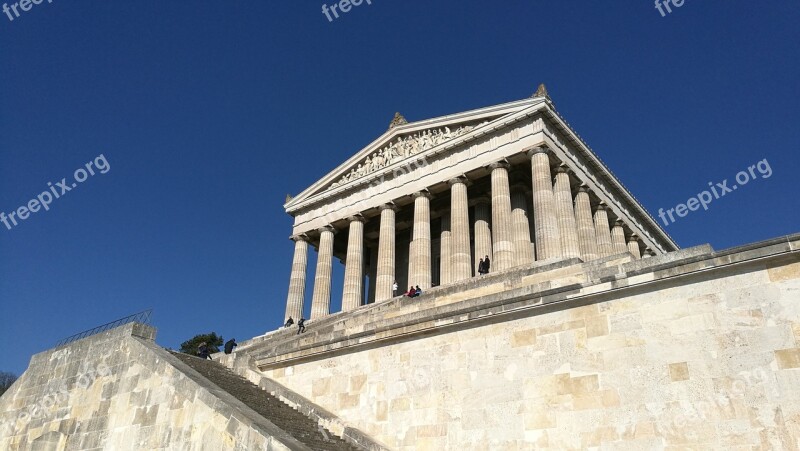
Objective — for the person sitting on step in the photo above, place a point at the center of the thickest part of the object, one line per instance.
(203, 352)
(229, 345)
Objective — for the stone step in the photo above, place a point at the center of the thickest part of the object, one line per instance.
(298, 425)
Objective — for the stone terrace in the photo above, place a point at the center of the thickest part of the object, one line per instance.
(546, 286)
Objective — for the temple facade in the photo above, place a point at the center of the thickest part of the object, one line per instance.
(424, 202)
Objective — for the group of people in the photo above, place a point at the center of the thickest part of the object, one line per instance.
(204, 352)
(413, 291)
(301, 325)
(483, 265)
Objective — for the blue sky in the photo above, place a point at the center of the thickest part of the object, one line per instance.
(209, 113)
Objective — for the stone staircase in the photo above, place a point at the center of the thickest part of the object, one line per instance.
(303, 429)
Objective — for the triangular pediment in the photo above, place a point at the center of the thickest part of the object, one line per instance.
(407, 141)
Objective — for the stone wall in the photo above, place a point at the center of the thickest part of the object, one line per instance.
(692, 349)
(118, 390)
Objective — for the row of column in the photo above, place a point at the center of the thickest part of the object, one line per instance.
(565, 227)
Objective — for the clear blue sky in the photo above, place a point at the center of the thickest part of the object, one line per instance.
(209, 113)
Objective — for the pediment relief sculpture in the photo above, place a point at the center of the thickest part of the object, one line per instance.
(403, 147)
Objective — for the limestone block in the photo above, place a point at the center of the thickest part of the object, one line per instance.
(788, 358)
(596, 326)
(523, 338)
(540, 419)
(781, 272)
(678, 371)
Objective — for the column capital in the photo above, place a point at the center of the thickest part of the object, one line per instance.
(601, 206)
(299, 237)
(584, 188)
(422, 193)
(457, 180)
(619, 222)
(502, 164)
(327, 228)
(538, 149)
(389, 206)
(634, 237)
(356, 218)
(563, 168)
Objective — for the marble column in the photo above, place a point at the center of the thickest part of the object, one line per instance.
(587, 240)
(562, 193)
(297, 281)
(386, 254)
(483, 233)
(633, 247)
(420, 251)
(602, 231)
(502, 229)
(321, 299)
(460, 265)
(521, 230)
(618, 238)
(445, 251)
(548, 237)
(353, 292)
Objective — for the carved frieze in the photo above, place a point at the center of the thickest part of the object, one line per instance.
(400, 149)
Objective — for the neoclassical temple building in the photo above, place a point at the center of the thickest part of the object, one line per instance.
(591, 331)
(425, 201)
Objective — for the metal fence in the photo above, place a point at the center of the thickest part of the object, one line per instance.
(141, 317)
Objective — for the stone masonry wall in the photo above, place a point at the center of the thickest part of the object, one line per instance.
(119, 391)
(705, 358)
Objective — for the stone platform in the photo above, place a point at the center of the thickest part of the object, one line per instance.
(693, 348)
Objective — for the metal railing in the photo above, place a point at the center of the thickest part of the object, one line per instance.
(141, 317)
